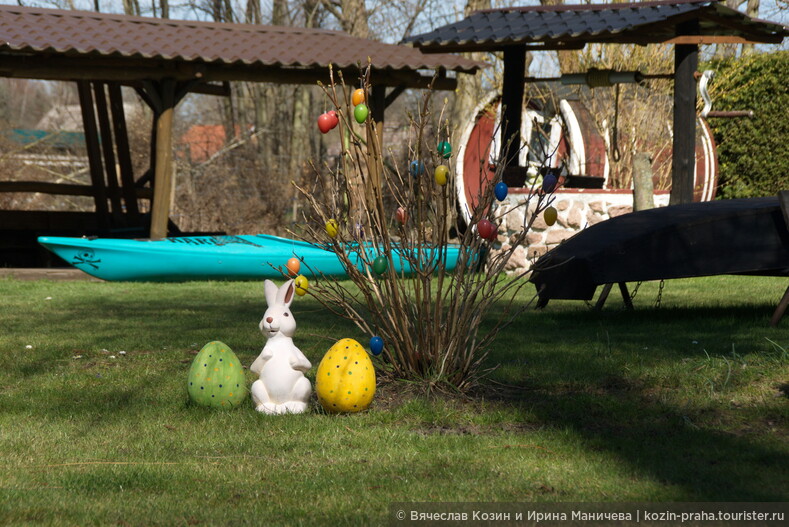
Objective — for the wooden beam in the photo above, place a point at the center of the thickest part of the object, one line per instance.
(220, 90)
(708, 39)
(63, 189)
(495, 47)
(130, 71)
(163, 169)
(94, 154)
(686, 61)
(124, 152)
(512, 103)
(393, 95)
(107, 142)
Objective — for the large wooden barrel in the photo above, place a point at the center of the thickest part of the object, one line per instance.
(573, 141)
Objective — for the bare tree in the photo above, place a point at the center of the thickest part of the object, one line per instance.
(469, 87)
(131, 7)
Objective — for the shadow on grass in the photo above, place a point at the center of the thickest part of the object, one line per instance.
(574, 375)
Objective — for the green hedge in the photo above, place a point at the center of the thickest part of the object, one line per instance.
(753, 154)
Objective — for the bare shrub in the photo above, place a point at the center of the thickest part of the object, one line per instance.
(428, 315)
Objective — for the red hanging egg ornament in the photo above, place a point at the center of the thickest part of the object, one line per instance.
(325, 123)
(402, 215)
(486, 229)
(334, 118)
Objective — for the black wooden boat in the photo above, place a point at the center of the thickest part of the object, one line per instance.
(738, 236)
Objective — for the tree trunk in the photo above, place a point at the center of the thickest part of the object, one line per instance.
(131, 7)
(752, 10)
(253, 12)
(725, 51)
(354, 18)
(469, 87)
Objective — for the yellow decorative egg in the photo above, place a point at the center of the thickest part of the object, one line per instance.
(550, 215)
(345, 381)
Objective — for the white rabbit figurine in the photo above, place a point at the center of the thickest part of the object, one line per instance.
(282, 387)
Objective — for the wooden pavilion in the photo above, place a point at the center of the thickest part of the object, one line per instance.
(163, 60)
(684, 23)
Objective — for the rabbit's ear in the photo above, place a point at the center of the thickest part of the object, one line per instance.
(285, 295)
(271, 291)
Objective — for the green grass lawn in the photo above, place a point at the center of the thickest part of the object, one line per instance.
(683, 403)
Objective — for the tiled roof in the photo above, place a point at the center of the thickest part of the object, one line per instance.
(45, 33)
(576, 25)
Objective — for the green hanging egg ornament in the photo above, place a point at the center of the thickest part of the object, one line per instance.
(380, 265)
(444, 149)
(360, 113)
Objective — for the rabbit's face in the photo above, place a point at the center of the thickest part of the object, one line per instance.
(278, 319)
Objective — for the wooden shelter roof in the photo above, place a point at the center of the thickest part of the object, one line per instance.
(70, 45)
(573, 26)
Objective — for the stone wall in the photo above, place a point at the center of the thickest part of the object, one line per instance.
(577, 208)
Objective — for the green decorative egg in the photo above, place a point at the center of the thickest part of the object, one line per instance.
(360, 113)
(216, 377)
(444, 149)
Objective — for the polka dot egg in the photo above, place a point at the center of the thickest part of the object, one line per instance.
(345, 381)
(216, 377)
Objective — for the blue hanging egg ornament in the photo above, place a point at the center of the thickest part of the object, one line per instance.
(549, 183)
(376, 345)
(417, 168)
(500, 190)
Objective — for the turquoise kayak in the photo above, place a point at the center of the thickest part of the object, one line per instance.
(246, 257)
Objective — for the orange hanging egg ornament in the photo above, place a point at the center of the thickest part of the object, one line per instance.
(293, 265)
(358, 97)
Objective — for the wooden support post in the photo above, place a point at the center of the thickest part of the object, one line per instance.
(780, 309)
(94, 154)
(163, 168)
(643, 188)
(603, 296)
(686, 61)
(626, 296)
(124, 152)
(108, 151)
(512, 102)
